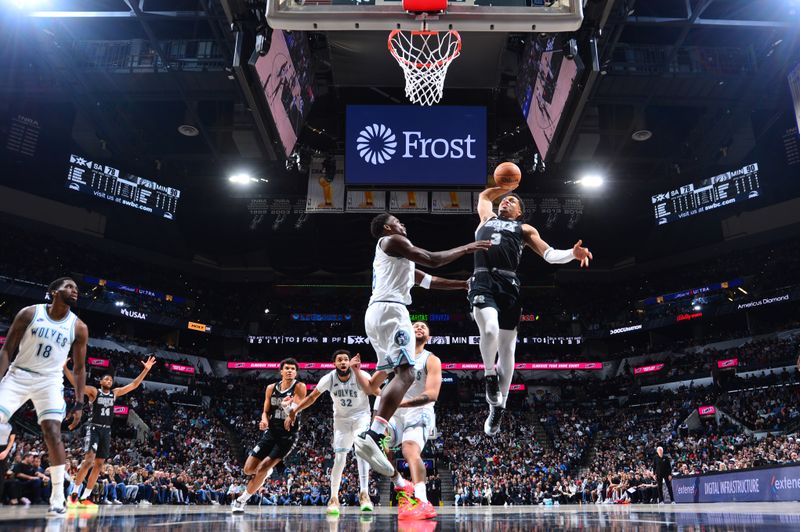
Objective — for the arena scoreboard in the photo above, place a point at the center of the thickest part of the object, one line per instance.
(108, 183)
(708, 194)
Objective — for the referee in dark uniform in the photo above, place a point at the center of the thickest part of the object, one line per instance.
(662, 469)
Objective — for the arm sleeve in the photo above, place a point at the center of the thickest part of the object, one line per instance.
(558, 256)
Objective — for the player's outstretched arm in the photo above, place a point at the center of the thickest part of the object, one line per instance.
(433, 383)
(79, 371)
(90, 391)
(371, 385)
(400, 246)
(135, 383)
(14, 337)
(428, 281)
(486, 201)
(555, 256)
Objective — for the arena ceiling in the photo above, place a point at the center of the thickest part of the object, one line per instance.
(706, 77)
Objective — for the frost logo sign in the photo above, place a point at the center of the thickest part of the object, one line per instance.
(376, 144)
(410, 145)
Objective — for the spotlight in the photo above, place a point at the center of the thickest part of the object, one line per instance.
(591, 181)
(266, 311)
(245, 179)
(697, 307)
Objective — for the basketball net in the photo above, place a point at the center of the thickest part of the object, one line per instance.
(424, 57)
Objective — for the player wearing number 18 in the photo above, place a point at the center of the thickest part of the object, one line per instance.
(45, 335)
(98, 429)
(494, 288)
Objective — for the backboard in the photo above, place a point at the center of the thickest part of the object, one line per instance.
(461, 15)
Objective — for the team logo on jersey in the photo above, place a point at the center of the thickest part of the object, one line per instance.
(479, 300)
(401, 338)
(376, 144)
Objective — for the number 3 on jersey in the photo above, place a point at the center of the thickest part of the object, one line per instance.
(45, 353)
(496, 239)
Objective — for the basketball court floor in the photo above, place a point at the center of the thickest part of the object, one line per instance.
(733, 516)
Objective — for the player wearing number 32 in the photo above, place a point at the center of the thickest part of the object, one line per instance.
(494, 289)
(351, 417)
(45, 335)
(98, 430)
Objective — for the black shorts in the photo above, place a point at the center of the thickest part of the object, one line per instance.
(497, 290)
(98, 441)
(274, 444)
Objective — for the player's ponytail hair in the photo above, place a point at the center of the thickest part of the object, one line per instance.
(376, 226)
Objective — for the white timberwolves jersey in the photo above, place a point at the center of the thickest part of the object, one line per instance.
(420, 376)
(46, 344)
(349, 400)
(392, 278)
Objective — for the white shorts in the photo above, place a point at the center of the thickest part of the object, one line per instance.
(388, 327)
(46, 392)
(417, 424)
(345, 431)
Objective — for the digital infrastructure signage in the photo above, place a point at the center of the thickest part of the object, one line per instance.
(415, 146)
(109, 183)
(702, 196)
(286, 77)
(546, 78)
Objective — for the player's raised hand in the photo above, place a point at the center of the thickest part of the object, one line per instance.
(151, 361)
(582, 254)
(355, 362)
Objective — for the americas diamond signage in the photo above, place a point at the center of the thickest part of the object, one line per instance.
(411, 145)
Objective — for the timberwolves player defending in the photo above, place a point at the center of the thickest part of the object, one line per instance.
(45, 335)
(494, 289)
(276, 443)
(351, 417)
(414, 423)
(388, 324)
(98, 429)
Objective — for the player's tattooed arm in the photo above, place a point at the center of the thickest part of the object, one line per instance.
(433, 383)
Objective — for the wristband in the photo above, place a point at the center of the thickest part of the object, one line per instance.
(426, 281)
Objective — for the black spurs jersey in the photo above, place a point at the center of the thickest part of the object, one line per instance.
(276, 414)
(507, 244)
(102, 409)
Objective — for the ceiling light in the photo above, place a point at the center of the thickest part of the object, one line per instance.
(641, 135)
(188, 130)
(697, 307)
(591, 181)
(742, 290)
(241, 179)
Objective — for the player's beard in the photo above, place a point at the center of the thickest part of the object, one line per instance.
(344, 373)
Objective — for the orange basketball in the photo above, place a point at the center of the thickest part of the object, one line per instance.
(506, 175)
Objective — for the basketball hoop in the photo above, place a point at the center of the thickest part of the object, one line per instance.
(424, 55)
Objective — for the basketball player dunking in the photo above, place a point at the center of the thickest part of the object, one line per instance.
(276, 443)
(350, 418)
(45, 336)
(413, 424)
(387, 321)
(494, 289)
(98, 428)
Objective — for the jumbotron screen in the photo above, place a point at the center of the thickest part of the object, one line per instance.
(708, 194)
(108, 183)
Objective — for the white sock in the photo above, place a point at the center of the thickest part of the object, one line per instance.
(86, 493)
(489, 329)
(57, 480)
(76, 489)
(245, 496)
(363, 475)
(398, 480)
(379, 425)
(420, 492)
(507, 348)
(336, 473)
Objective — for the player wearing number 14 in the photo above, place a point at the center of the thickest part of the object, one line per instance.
(98, 429)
